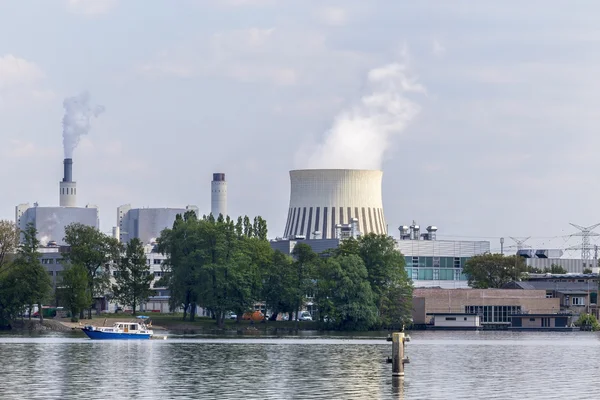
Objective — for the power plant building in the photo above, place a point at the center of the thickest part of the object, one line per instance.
(436, 263)
(145, 224)
(51, 222)
(324, 200)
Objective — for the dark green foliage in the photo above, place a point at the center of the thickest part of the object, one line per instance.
(555, 269)
(344, 294)
(494, 270)
(132, 276)
(74, 289)
(210, 264)
(587, 270)
(94, 251)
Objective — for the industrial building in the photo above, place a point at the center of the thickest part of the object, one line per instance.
(50, 222)
(436, 263)
(321, 199)
(494, 306)
(145, 224)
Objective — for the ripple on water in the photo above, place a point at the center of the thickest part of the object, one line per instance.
(457, 365)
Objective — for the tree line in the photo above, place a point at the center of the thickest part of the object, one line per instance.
(212, 263)
(91, 256)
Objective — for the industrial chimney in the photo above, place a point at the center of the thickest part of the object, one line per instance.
(68, 188)
(218, 195)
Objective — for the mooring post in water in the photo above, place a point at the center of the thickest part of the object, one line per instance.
(398, 360)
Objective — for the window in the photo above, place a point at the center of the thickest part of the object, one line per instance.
(47, 261)
(158, 274)
(436, 274)
(549, 295)
(578, 301)
(532, 319)
(457, 262)
(457, 274)
(493, 314)
(451, 318)
(157, 261)
(465, 318)
(415, 261)
(436, 262)
(415, 274)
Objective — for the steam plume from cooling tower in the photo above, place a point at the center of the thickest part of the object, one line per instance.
(76, 121)
(361, 134)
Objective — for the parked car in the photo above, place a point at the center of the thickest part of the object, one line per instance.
(232, 316)
(304, 316)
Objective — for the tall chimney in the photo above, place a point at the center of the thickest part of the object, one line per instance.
(68, 188)
(68, 176)
(218, 195)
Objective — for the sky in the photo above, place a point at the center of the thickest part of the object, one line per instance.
(484, 119)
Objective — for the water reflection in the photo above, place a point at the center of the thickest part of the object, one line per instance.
(491, 365)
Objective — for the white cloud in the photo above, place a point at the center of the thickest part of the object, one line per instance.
(91, 7)
(15, 71)
(334, 16)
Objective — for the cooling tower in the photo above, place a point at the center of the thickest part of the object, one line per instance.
(322, 198)
(218, 195)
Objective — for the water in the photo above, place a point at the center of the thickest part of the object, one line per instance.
(444, 365)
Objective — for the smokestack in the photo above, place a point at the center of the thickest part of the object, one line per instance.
(218, 195)
(67, 196)
(68, 176)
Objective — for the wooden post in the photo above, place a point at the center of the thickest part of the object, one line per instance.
(398, 359)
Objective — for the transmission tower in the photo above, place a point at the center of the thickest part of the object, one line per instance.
(520, 243)
(585, 246)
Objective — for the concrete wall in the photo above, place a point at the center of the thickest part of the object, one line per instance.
(50, 222)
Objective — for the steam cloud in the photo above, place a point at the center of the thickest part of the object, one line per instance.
(76, 121)
(361, 134)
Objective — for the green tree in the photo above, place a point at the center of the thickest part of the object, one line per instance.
(303, 283)
(74, 290)
(133, 278)
(555, 269)
(37, 284)
(494, 270)
(344, 294)
(587, 270)
(278, 278)
(94, 251)
(9, 241)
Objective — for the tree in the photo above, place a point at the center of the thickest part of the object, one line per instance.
(37, 283)
(494, 270)
(9, 241)
(344, 295)
(278, 278)
(587, 270)
(74, 290)
(133, 276)
(304, 266)
(555, 269)
(95, 251)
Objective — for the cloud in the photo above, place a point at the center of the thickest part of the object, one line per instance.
(334, 16)
(16, 149)
(90, 7)
(15, 71)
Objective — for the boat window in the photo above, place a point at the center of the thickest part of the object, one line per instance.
(133, 327)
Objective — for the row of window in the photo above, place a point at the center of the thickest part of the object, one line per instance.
(66, 191)
(441, 274)
(48, 261)
(435, 262)
(493, 313)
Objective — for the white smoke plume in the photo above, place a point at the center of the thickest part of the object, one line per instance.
(362, 133)
(76, 121)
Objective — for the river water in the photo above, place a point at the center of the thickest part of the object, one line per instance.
(444, 365)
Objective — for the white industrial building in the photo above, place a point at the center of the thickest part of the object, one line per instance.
(218, 195)
(321, 199)
(50, 222)
(436, 263)
(146, 224)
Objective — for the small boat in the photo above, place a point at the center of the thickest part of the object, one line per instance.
(119, 331)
